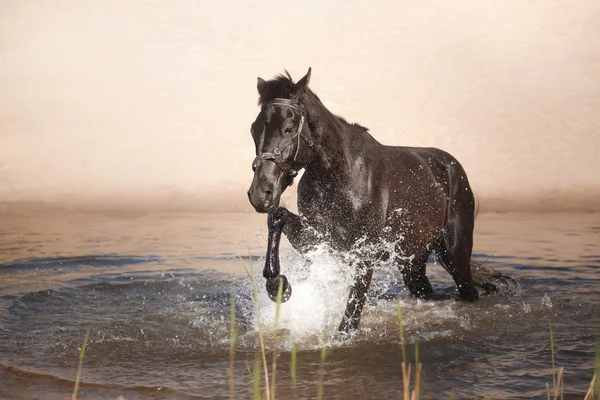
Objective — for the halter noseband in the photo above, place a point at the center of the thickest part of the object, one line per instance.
(275, 155)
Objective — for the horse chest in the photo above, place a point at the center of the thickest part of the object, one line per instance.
(341, 214)
(337, 200)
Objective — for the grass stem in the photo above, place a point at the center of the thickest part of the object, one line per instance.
(80, 367)
(250, 272)
(274, 366)
(232, 339)
(407, 367)
(293, 368)
(256, 378)
(323, 358)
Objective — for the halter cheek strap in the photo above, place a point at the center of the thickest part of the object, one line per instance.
(275, 155)
(289, 172)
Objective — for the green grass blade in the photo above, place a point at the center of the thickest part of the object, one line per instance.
(552, 358)
(80, 367)
(405, 367)
(232, 339)
(401, 327)
(323, 358)
(274, 366)
(293, 368)
(597, 372)
(416, 353)
(250, 272)
(256, 377)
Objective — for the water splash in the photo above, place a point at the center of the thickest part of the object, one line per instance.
(321, 284)
(547, 302)
(320, 289)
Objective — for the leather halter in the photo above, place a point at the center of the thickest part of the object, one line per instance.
(286, 167)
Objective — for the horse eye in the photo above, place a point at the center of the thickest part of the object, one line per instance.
(288, 130)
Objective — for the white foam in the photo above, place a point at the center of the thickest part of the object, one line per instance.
(318, 299)
(320, 292)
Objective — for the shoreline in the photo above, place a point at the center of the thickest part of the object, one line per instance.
(587, 201)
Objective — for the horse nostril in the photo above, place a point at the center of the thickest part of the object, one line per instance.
(268, 196)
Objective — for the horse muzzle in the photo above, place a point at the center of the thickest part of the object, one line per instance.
(264, 200)
(266, 188)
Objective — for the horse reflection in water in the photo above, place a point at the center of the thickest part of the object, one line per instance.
(356, 190)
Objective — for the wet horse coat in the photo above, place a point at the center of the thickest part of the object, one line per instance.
(356, 190)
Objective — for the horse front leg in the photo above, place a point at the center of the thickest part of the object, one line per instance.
(292, 225)
(275, 223)
(357, 297)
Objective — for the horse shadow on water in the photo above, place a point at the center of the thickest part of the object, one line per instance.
(355, 194)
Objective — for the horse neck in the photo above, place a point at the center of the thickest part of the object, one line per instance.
(333, 152)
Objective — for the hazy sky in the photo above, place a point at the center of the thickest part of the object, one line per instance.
(151, 101)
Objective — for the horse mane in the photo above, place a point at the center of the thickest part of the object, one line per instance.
(283, 86)
(280, 87)
(357, 125)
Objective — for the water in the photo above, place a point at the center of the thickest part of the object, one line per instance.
(154, 292)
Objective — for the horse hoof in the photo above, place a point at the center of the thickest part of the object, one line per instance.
(273, 287)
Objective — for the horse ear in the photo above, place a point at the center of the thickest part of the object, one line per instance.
(303, 83)
(260, 85)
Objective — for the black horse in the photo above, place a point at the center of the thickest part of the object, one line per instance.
(356, 193)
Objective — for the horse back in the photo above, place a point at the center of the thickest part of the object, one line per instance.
(422, 183)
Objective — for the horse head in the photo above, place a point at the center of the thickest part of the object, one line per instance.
(282, 138)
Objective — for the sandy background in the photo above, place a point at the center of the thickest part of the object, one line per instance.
(148, 104)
